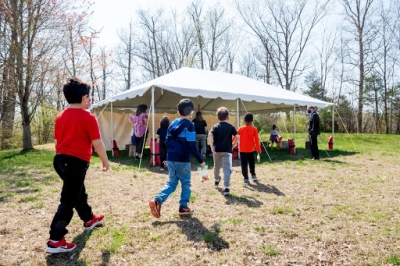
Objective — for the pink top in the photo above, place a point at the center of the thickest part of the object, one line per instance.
(139, 123)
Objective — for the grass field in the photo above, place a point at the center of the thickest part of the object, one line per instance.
(341, 210)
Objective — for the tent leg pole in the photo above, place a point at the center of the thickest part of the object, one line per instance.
(294, 128)
(152, 125)
(112, 130)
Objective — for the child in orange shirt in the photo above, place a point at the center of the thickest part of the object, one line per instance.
(248, 143)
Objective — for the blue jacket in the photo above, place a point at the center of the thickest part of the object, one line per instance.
(181, 141)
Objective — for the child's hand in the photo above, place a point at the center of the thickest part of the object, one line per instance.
(202, 165)
(106, 166)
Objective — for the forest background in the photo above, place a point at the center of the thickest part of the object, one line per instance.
(345, 52)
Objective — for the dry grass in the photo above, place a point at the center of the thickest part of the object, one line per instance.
(338, 211)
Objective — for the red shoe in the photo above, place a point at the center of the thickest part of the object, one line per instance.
(96, 220)
(185, 211)
(60, 246)
(155, 208)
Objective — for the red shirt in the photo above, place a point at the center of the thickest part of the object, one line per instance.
(74, 130)
(249, 140)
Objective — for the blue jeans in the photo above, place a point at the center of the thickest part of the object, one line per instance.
(178, 171)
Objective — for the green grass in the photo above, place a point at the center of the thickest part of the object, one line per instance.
(269, 250)
(393, 259)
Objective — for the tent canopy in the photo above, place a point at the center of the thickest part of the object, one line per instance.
(209, 90)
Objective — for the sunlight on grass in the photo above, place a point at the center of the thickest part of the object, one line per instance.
(29, 198)
(271, 251)
(283, 210)
(38, 205)
(233, 221)
(193, 198)
(393, 259)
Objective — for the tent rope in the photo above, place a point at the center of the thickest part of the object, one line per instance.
(145, 138)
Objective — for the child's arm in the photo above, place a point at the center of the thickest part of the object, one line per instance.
(101, 151)
(257, 139)
(236, 141)
(211, 142)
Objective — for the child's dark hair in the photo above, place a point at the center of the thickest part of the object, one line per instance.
(222, 113)
(273, 127)
(141, 109)
(248, 117)
(164, 122)
(185, 107)
(74, 89)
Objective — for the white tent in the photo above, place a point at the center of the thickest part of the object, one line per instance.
(208, 90)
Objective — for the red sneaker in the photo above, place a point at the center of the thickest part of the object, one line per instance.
(60, 246)
(155, 208)
(96, 220)
(185, 211)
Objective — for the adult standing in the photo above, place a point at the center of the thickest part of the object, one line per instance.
(139, 121)
(200, 126)
(313, 132)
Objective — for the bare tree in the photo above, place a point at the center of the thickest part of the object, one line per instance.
(284, 29)
(358, 13)
(125, 54)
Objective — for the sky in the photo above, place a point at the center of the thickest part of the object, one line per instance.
(112, 15)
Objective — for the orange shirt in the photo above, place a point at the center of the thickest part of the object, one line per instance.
(74, 130)
(249, 140)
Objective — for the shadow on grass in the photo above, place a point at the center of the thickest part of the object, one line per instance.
(246, 200)
(195, 231)
(72, 258)
(265, 188)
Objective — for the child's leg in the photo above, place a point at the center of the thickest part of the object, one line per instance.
(227, 168)
(204, 144)
(252, 164)
(170, 186)
(243, 163)
(184, 176)
(72, 171)
(217, 166)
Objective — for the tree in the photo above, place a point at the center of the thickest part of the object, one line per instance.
(125, 54)
(315, 88)
(373, 96)
(358, 13)
(284, 29)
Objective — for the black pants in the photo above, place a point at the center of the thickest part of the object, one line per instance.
(163, 153)
(314, 146)
(247, 160)
(72, 171)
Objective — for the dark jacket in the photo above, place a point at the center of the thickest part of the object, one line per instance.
(313, 124)
(181, 141)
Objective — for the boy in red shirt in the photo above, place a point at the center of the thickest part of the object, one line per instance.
(248, 143)
(75, 131)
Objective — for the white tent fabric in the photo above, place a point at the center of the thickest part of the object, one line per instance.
(209, 90)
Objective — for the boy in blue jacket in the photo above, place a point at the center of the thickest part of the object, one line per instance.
(181, 143)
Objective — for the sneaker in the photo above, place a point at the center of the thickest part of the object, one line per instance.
(59, 247)
(254, 177)
(155, 208)
(246, 181)
(216, 183)
(96, 220)
(185, 211)
(226, 192)
(161, 168)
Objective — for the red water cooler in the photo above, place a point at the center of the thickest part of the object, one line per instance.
(330, 143)
(291, 146)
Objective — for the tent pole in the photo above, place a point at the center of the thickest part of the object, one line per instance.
(294, 128)
(112, 130)
(152, 126)
(237, 112)
(333, 122)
